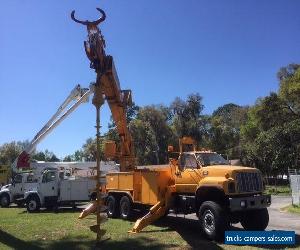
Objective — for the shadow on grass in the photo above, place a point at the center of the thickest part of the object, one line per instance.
(15, 243)
(189, 230)
(128, 243)
(83, 243)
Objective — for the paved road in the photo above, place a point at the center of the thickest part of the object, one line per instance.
(278, 220)
(282, 220)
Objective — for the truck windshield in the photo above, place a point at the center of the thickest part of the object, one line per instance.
(210, 159)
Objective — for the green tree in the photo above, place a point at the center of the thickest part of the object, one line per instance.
(10, 151)
(290, 88)
(271, 136)
(225, 129)
(89, 149)
(151, 134)
(187, 117)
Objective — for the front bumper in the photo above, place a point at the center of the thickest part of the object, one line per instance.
(250, 202)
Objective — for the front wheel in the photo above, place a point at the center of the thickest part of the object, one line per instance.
(213, 220)
(255, 220)
(33, 204)
(4, 200)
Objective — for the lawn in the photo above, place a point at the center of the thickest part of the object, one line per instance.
(292, 209)
(62, 230)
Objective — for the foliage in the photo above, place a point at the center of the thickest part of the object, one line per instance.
(89, 149)
(187, 117)
(45, 156)
(271, 136)
(151, 134)
(278, 190)
(10, 151)
(225, 129)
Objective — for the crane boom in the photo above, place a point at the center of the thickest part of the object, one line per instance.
(78, 94)
(118, 101)
(75, 94)
(108, 85)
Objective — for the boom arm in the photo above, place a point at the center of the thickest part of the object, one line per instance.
(108, 85)
(79, 95)
(118, 100)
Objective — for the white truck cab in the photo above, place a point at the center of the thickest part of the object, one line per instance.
(14, 192)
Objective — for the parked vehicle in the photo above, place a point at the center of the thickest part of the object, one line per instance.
(14, 192)
(54, 189)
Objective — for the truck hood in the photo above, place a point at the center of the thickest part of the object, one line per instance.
(5, 187)
(221, 170)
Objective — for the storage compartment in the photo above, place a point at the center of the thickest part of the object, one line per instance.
(119, 181)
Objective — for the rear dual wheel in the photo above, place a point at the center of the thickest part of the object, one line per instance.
(119, 207)
(112, 207)
(125, 208)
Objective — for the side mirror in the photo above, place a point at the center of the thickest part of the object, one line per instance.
(110, 149)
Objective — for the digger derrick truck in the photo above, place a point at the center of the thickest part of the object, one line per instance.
(200, 182)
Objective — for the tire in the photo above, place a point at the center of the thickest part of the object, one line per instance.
(4, 200)
(255, 220)
(213, 220)
(112, 207)
(125, 208)
(33, 204)
(93, 197)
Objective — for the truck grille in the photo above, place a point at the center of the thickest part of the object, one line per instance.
(249, 182)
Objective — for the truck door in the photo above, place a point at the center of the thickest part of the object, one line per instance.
(188, 176)
(49, 185)
(17, 186)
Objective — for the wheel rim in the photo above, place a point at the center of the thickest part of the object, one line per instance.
(110, 207)
(124, 209)
(4, 201)
(32, 205)
(209, 221)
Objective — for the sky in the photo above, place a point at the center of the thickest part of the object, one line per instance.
(227, 51)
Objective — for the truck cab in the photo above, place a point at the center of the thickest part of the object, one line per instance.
(219, 193)
(14, 192)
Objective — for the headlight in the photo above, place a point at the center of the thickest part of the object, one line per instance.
(243, 203)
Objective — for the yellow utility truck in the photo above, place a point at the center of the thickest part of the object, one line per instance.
(200, 182)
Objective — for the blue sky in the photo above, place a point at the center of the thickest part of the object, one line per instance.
(228, 51)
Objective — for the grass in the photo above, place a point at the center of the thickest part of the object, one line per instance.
(62, 230)
(278, 190)
(292, 209)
